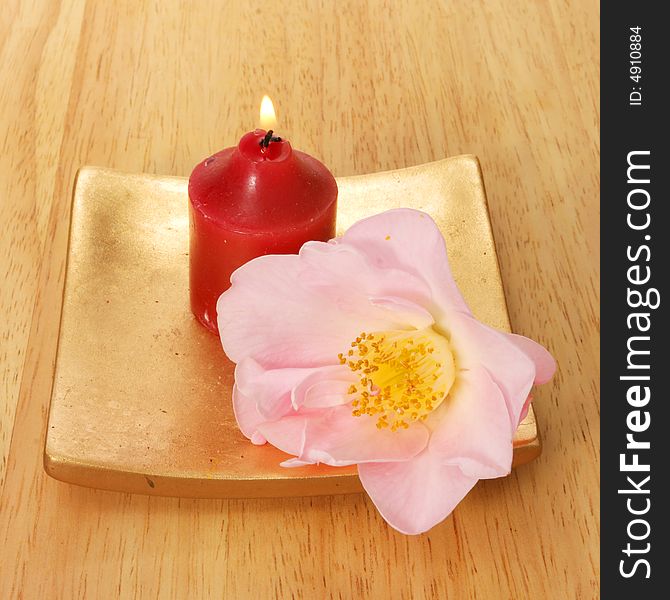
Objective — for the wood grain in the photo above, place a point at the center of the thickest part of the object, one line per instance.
(366, 86)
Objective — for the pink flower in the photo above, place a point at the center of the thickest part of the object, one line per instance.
(362, 351)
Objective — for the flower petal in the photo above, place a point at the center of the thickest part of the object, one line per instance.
(271, 315)
(412, 313)
(247, 416)
(268, 389)
(292, 463)
(526, 406)
(417, 494)
(409, 240)
(339, 267)
(324, 387)
(476, 344)
(545, 365)
(287, 433)
(337, 438)
(302, 310)
(473, 432)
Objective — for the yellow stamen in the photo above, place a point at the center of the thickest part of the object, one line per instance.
(404, 376)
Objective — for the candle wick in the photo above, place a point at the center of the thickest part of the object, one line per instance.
(265, 142)
(269, 137)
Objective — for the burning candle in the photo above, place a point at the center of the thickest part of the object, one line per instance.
(260, 197)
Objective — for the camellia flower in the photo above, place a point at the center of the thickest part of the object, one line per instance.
(362, 351)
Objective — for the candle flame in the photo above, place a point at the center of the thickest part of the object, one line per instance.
(268, 118)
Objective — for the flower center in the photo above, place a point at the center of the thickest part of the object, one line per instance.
(404, 375)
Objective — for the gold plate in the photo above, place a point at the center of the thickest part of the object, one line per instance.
(141, 394)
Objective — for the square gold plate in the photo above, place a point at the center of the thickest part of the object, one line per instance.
(141, 394)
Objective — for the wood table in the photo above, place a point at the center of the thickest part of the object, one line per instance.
(366, 86)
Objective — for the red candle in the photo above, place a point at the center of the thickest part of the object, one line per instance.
(260, 197)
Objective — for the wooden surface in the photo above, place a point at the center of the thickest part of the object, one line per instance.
(144, 86)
